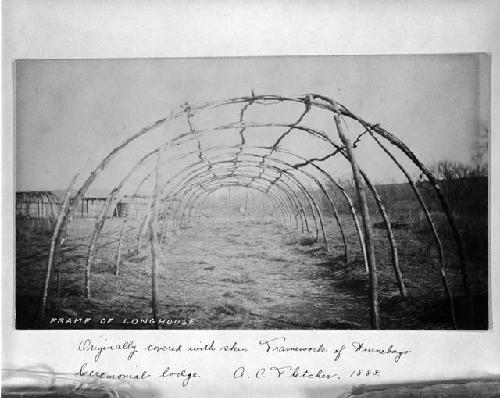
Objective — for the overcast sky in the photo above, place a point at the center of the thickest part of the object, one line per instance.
(71, 113)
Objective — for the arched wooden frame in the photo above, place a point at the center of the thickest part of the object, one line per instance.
(345, 149)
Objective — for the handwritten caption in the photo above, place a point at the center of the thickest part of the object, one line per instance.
(335, 360)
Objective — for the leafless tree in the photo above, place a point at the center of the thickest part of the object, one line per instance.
(459, 182)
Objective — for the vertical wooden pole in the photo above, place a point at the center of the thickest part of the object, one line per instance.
(139, 235)
(356, 222)
(58, 267)
(119, 250)
(229, 205)
(444, 204)
(58, 292)
(156, 255)
(42, 198)
(54, 243)
(372, 266)
(435, 235)
(390, 234)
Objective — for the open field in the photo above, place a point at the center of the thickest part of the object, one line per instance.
(249, 274)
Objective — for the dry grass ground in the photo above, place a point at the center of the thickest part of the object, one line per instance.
(252, 275)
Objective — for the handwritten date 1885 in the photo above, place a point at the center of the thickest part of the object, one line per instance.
(365, 373)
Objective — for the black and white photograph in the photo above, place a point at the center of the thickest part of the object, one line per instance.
(272, 192)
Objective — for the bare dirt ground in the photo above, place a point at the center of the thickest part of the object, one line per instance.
(246, 275)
